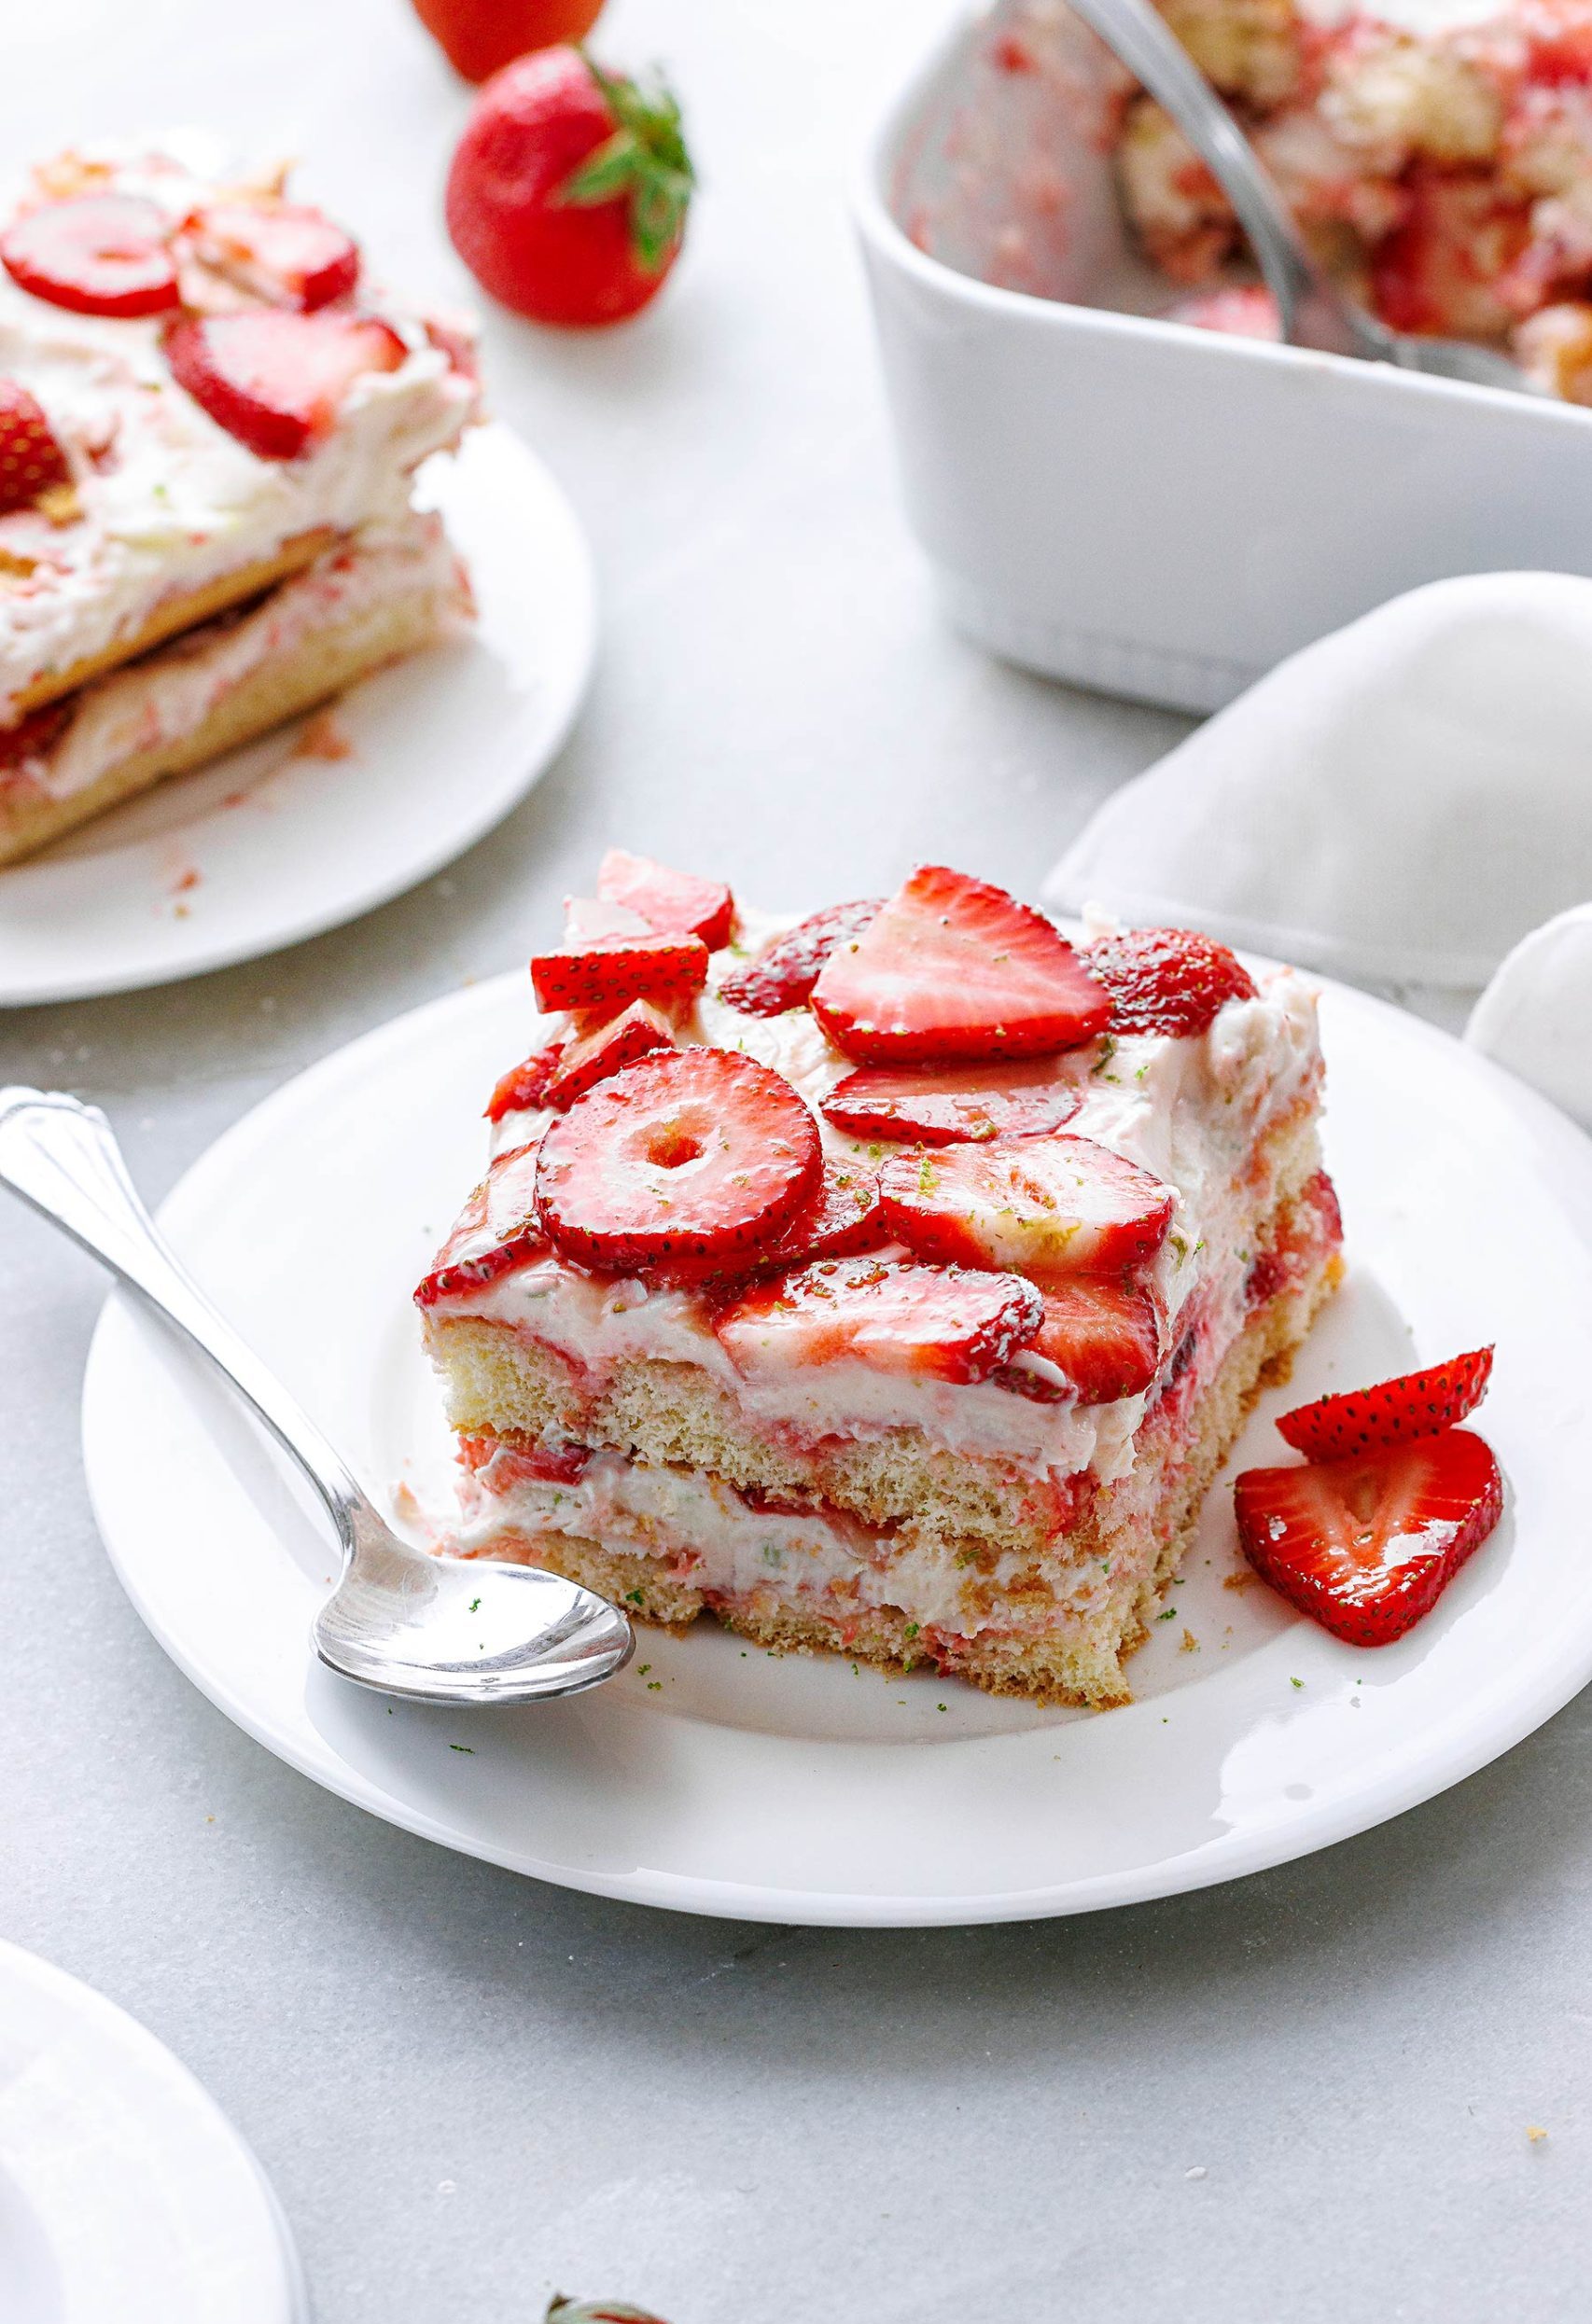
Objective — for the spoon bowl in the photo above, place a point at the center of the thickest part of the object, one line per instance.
(400, 1621)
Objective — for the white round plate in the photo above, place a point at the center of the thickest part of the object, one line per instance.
(712, 1777)
(280, 840)
(124, 2190)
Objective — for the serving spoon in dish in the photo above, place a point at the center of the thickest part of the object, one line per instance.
(430, 1629)
(1312, 310)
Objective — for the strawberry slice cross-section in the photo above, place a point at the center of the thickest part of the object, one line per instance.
(610, 971)
(1059, 1205)
(275, 380)
(955, 968)
(943, 1323)
(279, 251)
(1103, 1333)
(954, 1106)
(693, 1157)
(1417, 1404)
(676, 903)
(496, 1232)
(1366, 1546)
(98, 254)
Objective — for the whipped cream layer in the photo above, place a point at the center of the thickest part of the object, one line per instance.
(710, 1535)
(170, 694)
(1210, 1114)
(168, 501)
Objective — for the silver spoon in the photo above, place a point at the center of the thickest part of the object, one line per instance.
(1313, 310)
(434, 1630)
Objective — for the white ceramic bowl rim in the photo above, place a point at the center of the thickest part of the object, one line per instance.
(882, 230)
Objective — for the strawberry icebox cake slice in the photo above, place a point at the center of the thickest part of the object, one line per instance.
(209, 424)
(892, 1282)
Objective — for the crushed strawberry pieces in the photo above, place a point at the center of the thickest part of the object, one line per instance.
(1392, 1499)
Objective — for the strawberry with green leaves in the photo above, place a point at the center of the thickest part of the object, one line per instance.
(569, 191)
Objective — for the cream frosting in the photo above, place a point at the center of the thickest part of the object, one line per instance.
(721, 1542)
(169, 501)
(1197, 1111)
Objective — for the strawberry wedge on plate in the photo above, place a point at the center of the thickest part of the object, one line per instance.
(902, 1279)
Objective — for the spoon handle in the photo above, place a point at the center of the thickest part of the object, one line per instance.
(1311, 312)
(62, 1157)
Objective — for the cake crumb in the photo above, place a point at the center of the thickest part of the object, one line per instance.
(1190, 1643)
(322, 737)
(1239, 1580)
(1535, 2133)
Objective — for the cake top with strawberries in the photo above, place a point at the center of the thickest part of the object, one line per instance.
(923, 1135)
(192, 373)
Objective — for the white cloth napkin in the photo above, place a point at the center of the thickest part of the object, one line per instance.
(1536, 1015)
(1400, 802)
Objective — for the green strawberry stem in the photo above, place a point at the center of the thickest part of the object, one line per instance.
(644, 164)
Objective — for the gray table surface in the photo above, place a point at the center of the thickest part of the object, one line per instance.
(1306, 2096)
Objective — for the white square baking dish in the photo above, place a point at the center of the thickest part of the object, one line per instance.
(1131, 504)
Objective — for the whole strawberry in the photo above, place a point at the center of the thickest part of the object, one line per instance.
(480, 36)
(568, 191)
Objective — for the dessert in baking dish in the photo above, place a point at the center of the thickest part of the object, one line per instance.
(1447, 174)
(209, 422)
(891, 1282)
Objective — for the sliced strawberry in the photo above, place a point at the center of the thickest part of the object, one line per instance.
(610, 970)
(101, 253)
(277, 250)
(845, 1214)
(1418, 1404)
(587, 917)
(1103, 1332)
(609, 1046)
(1167, 980)
(676, 903)
(549, 1464)
(1366, 1546)
(693, 1155)
(525, 1084)
(955, 968)
(277, 381)
(784, 973)
(945, 1322)
(1056, 1205)
(31, 460)
(950, 1107)
(496, 1231)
